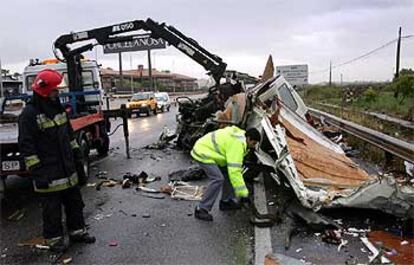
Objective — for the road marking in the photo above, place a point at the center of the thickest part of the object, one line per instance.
(262, 242)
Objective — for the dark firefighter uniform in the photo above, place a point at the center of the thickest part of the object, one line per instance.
(46, 141)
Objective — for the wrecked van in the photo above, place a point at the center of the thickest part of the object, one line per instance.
(296, 155)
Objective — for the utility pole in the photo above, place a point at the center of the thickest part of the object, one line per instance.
(121, 75)
(1, 81)
(397, 60)
(132, 73)
(149, 69)
(330, 73)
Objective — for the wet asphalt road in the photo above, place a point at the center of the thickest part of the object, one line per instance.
(171, 235)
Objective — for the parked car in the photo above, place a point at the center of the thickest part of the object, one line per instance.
(143, 102)
(163, 101)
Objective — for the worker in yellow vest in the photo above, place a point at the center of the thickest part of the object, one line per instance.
(216, 151)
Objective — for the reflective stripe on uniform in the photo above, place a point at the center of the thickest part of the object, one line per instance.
(195, 154)
(237, 165)
(45, 123)
(215, 145)
(59, 184)
(241, 188)
(74, 144)
(31, 161)
(239, 137)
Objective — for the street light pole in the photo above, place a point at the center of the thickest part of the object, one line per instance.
(1, 81)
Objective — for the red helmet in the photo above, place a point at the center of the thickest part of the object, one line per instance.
(46, 81)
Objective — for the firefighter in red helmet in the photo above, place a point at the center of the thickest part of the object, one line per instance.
(47, 142)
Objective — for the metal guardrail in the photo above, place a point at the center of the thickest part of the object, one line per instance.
(380, 116)
(385, 142)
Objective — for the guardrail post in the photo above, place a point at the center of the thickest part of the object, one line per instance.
(124, 113)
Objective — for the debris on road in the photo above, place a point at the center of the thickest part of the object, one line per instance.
(147, 190)
(126, 183)
(146, 215)
(184, 191)
(342, 244)
(67, 260)
(100, 216)
(332, 237)
(113, 243)
(164, 139)
(167, 188)
(91, 184)
(106, 183)
(375, 252)
(190, 174)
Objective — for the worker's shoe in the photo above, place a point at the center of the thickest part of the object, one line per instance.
(229, 205)
(81, 236)
(56, 244)
(202, 214)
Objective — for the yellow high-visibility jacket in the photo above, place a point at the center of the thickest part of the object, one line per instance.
(224, 147)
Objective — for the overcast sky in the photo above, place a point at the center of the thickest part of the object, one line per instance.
(243, 33)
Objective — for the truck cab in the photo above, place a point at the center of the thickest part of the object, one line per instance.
(91, 80)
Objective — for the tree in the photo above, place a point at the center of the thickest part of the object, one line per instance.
(404, 87)
(370, 95)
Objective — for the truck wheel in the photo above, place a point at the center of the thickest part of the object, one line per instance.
(103, 147)
(83, 167)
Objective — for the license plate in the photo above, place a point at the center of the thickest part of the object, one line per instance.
(10, 165)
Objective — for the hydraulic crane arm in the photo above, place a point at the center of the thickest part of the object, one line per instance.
(118, 33)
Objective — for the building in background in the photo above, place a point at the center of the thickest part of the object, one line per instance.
(139, 80)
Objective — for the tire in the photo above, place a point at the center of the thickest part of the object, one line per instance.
(162, 109)
(168, 108)
(148, 112)
(83, 168)
(103, 147)
(155, 110)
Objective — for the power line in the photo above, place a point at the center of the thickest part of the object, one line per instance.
(367, 54)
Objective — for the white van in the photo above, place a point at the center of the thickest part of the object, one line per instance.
(163, 101)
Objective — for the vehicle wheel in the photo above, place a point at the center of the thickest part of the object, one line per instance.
(168, 108)
(130, 115)
(83, 167)
(162, 109)
(148, 112)
(155, 110)
(103, 147)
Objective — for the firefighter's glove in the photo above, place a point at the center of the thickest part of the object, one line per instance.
(41, 182)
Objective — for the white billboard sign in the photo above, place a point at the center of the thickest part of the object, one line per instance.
(295, 74)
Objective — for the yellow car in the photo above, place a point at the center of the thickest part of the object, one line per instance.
(143, 102)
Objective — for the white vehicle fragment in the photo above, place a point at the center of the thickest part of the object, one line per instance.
(317, 169)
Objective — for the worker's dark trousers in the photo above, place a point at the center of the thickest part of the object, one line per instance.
(218, 181)
(52, 203)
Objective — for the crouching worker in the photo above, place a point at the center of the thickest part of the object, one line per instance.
(214, 152)
(50, 151)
